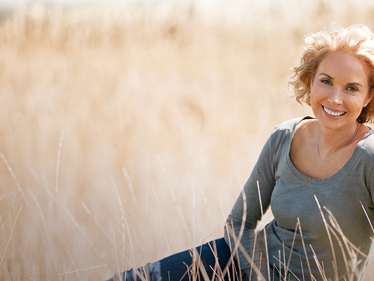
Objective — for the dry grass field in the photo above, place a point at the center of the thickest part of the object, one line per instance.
(127, 134)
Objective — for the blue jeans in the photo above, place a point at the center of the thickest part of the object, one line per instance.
(211, 259)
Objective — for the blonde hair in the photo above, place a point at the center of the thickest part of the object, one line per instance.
(357, 40)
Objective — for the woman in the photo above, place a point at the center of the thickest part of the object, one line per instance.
(316, 173)
(322, 161)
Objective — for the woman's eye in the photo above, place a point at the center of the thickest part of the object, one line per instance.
(352, 89)
(326, 81)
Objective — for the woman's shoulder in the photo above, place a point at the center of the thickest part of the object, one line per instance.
(366, 145)
(282, 134)
(289, 126)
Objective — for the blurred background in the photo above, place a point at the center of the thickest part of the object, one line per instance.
(128, 128)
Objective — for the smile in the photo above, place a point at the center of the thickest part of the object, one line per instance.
(333, 113)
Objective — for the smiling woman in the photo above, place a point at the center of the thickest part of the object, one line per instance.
(311, 170)
(323, 161)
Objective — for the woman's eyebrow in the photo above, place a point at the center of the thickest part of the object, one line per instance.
(326, 75)
(355, 83)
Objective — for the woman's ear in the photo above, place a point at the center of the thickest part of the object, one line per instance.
(369, 97)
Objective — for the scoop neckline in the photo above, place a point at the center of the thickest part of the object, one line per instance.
(331, 178)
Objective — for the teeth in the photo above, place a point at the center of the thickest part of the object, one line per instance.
(333, 113)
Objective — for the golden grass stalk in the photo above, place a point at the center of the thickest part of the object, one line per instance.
(10, 236)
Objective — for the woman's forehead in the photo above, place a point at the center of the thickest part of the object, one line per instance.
(344, 66)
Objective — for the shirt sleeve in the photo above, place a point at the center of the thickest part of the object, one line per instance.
(247, 209)
(371, 190)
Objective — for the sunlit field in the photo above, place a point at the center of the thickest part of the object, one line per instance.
(127, 133)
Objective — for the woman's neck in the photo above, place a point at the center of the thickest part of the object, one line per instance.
(330, 142)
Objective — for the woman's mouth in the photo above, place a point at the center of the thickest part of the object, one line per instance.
(333, 113)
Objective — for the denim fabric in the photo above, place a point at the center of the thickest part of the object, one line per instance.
(205, 261)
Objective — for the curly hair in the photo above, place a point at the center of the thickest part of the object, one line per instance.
(357, 40)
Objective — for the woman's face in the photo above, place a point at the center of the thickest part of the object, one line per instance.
(339, 90)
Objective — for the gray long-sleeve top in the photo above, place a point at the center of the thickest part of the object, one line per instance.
(292, 197)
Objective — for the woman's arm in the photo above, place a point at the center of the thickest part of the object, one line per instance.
(248, 209)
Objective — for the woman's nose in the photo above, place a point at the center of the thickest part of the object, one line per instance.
(335, 97)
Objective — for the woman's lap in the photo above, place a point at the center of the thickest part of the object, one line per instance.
(213, 258)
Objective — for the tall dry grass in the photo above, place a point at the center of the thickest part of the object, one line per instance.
(127, 133)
